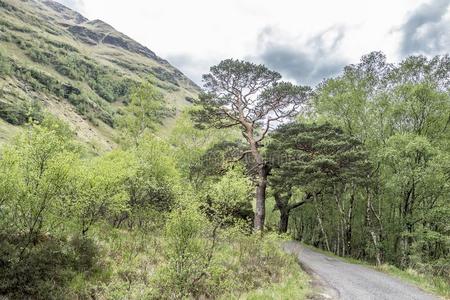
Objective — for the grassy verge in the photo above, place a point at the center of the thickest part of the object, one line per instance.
(433, 284)
(288, 281)
(243, 267)
(293, 286)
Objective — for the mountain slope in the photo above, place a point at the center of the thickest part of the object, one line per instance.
(54, 59)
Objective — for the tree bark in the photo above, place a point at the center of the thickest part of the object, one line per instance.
(284, 221)
(282, 203)
(260, 208)
(348, 226)
(319, 219)
(372, 233)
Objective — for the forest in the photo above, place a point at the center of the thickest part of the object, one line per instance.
(358, 165)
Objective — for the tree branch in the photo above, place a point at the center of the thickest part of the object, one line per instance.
(307, 198)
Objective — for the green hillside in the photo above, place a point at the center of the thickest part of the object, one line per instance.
(54, 59)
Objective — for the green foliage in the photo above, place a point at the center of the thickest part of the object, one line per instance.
(205, 261)
(435, 284)
(12, 26)
(214, 162)
(99, 189)
(46, 270)
(147, 109)
(187, 253)
(43, 61)
(38, 166)
(153, 186)
(66, 60)
(58, 208)
(252, 98)
(316, 156)
(36, 260)
(367, 173)
(259, 89)
(290, 283)
(400, 113)
(229, 199)
(43, 273)
(193, 147)
(40, 81)
(316, 159)
(246, 256)
(293, 286)
(107, 85)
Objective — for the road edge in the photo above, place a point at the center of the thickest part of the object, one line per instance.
(321, 290)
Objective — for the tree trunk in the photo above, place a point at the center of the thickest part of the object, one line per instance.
(348, 225)
(261, 199)
(282, 203)
(408, 226)
(372, 233)
(284, 220)
(319, 219)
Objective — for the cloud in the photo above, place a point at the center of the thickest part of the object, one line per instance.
(77, 5)
(192, 66)
(426, 29)
(306, 63)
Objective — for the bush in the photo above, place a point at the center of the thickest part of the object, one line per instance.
(229, 199)
(45, 270)
(20, 112)
(40, 273)
(187, 254)
(205, 261)
(156, 182)
(86, 254)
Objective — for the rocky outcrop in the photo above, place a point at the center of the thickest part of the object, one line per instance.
(65, 12)
(130, 45)
(86, 35)
(96, 32)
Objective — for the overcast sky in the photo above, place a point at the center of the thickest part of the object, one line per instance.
(304, 40)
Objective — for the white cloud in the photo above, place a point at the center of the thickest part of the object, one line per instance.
(304, 61)
(194, 34)
(426, 30)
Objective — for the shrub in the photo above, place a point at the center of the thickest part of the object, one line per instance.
(98, 189)
(45, 270)
(204, 261)
(20, 112)
(229, 199)
(86, 254)
(40, 272)
(187, 255)
(37, 166)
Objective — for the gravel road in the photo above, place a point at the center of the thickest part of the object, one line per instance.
(336, 279)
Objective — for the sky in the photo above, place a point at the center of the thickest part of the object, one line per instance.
(306, 41)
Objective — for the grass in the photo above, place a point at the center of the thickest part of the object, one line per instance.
(131, 260)
(433, 284)
(288, 280)
(294, 286)
(7, 132)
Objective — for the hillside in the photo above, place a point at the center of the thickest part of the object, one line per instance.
(54, 59)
